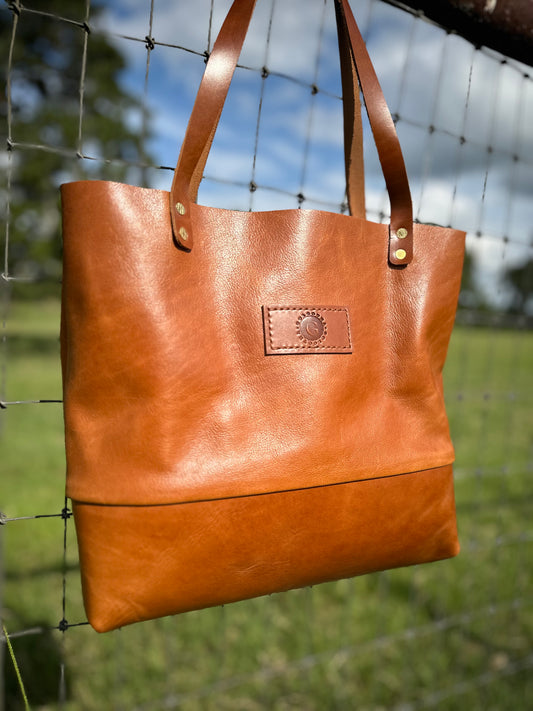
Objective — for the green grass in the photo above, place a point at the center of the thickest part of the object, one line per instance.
(452, 634)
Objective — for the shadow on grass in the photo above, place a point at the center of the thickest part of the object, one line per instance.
(39, 658)
(32, 345)
(32, 574)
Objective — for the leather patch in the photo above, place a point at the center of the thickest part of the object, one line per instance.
(306, 329)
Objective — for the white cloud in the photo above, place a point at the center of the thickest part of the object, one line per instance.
(427, 77)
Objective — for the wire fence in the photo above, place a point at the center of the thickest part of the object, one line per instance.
(103, 90)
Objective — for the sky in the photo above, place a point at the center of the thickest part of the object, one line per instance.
(429, 78)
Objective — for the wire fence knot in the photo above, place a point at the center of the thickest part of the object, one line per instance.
(14, 7)
(63, 625)
(66, 513)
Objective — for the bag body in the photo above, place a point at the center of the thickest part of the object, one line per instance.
(253, 401)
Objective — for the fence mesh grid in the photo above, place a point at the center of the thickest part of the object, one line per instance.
(431, 636)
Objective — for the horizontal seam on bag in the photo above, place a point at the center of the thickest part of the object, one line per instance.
(262, 493)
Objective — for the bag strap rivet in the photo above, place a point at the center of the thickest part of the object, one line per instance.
(180, 207)
(185, 235)
(400, 254)
(401, 233)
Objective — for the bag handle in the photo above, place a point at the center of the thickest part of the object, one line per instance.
(353, 125)
(206, 114)
(210, 101)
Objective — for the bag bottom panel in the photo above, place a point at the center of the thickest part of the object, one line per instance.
(143, 562)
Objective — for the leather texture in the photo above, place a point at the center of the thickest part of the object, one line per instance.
(133, 567)
(258, 406)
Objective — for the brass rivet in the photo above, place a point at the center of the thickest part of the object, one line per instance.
(400, 254)
(180, 208)
(401, 233)
(185, 235)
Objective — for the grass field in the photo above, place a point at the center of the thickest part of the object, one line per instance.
(452, 634)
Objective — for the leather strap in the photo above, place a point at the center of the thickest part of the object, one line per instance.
(387, 144)
(210, 101)
(208, 108)
(353, 129)
(353, 125)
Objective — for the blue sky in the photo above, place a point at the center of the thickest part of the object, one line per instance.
(426, 76)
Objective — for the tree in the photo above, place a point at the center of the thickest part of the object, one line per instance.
(519, 280)
(45, 113)
(471, 296)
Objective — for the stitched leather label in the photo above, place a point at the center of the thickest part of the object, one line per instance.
(306, 329)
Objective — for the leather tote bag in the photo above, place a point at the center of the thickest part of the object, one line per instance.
(253, 401)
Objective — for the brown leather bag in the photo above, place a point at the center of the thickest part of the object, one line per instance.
(253, 400)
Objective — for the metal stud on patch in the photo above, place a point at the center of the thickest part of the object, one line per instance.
(180, 207)
(400, 254)
(401, 233)
(185, 235)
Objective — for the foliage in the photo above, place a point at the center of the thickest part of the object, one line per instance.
(520, 281)
(46, 131)
(471, 297)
